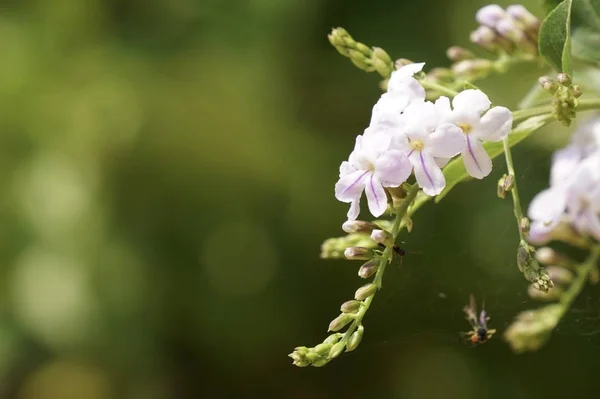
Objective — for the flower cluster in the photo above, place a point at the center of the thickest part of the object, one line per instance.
(408, 134)
(573, 199)
(506, 30)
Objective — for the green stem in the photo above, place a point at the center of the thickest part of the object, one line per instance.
(584, 105)
(427, 84)
(515, 190)
(386, 257)
(583, 272)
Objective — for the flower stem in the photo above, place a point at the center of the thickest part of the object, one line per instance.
(386, 257)
(583, 272)
(515, 190)
(584, 105)
(427, 84)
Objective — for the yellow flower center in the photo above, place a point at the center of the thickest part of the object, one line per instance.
(417, 145)
(465, 127)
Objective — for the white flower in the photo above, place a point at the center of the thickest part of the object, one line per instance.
(371, 167)
(583, 198)
(587, 136)
(466, 113)
(403, 89)
(490, 15)
(427, 142)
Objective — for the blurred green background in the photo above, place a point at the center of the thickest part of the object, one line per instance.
(167, 172)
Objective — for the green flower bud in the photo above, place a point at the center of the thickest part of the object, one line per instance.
(322, 349)
(505, 185)
(336, 350)
(301, 350)
(350, 306)
(365, 291)
(524, 225)
(369, 268)
(355, 339)
(312, 356)
(360, 60)
(531, 269)
(576, 91)
(320, 363)
(332, 339)
(340, 322)
(564, 79)
(548, 84)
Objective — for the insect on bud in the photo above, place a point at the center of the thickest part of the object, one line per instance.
(382, 237)
(369, 268)
(350, 306)
(457, 53)
(358, 253)
(365, 291)
(358, 226)
(339, 322)
(355, 339)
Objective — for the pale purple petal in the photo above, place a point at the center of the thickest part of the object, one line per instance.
(564, 163)
(392, 168)
(429, 176)
(350, 187)
(443, 107)
(548, 206)
(495, 124)
(447, 141)
(421, 116)
(490, 15)
(354, 210)
(539, 233)
(471, 101)
(441, 162)
(376, 197)
(476, 160)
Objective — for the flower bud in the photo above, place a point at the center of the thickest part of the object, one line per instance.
(526, 19)
(485, 38)
(408, 223)
(358, 226)
(457, 53)
(531, 269)
(473, 69)
(490, 15)
(382, 237)
(360, 60)
(340, 322)
(576, 91)
(440, 74)
(350, 306)
(332, 339)
(564, 79)
(560, 275)
(400, 62)
(301, 350)
(355, 339)
(552, 294)
(365, 291)
(313, 356)
(336, 350)
(369, 268)
(358, 253)
(549, 256)
(548, 84)
(505, 184)
(511, 31)
(322, 349)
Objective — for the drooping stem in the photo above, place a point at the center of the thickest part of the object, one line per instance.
(515, 190)
(386, 257)
(428, 84)
(583, 272)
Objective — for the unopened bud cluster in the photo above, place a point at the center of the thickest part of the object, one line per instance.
(509, 34)
(531, 268)
(565, 95)
(364, 57)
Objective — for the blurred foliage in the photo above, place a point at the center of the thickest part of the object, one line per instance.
(167, 170)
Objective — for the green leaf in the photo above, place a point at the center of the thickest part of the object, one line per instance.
(585, 30)
(455, 171)
(555, 38)
(550, 5)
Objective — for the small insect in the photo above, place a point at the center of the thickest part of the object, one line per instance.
(400, 252)
(480, 332)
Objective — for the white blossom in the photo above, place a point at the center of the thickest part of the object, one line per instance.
(471, 112)
(427, 142)
(372, 166)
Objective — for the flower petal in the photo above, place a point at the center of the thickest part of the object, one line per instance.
(376, 197)
(471, 101)
(350, 187)
(402, 81)
(548, 206)
(447, 141)
(421, 118)
(495, 124)
(354, 210)
(564, 163)
(429, 176)
(392, 168)
(441, 162)
(442, 104)
(476, 160)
